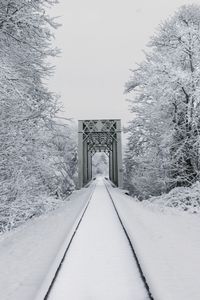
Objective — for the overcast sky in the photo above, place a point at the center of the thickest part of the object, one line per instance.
(100, 41)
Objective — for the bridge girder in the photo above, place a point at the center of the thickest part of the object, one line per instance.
(99, 136)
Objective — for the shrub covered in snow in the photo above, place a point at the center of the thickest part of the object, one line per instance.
(182, 198)
(17, 212)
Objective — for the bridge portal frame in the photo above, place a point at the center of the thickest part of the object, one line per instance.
(102, 135)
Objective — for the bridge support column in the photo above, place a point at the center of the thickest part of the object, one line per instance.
(89, 176)
(80, 154)
(119, 156)
(110, 166)
(114, 163)
(85, 163)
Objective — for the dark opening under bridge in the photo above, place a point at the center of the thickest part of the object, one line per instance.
(99, 136)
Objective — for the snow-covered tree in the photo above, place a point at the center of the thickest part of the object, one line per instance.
(65, 158)
(164, 134)
(30, 158)
(100, 164)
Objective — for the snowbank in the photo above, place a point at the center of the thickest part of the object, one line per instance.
(182, 198)
(14, 214)
(167, 244)
(28, 252)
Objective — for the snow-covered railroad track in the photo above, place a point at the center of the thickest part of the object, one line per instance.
(65, 253)
(100, 261)
(132, 248)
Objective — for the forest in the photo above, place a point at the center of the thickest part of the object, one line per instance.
(38, 165)
(38, 151)
(162, 155)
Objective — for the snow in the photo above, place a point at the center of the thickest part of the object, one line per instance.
(167, 243)
(183, 198)
(99, 264)
(28, 254)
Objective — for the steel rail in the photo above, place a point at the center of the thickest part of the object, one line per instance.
(67, 249)
(143, 278)
(128, 239)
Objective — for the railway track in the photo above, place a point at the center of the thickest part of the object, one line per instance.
(134, 255)
(65, 253)
(143, 278)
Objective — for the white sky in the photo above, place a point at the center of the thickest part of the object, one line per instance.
(100, 41)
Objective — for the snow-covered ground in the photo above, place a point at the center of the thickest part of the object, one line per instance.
(28, 253)
(167, 242)
(181, 198)
(99, 264)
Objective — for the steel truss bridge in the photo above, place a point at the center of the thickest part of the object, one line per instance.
(99, 136)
